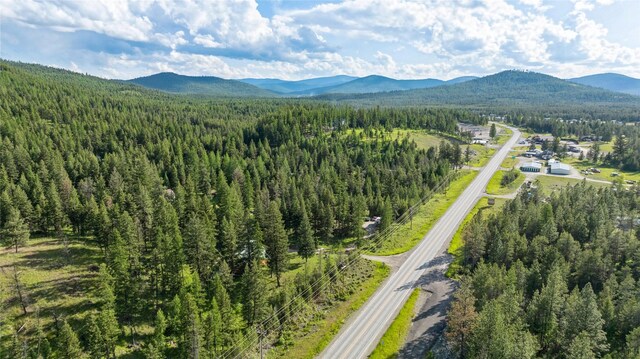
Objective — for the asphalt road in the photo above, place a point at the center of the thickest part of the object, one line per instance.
(359, 336)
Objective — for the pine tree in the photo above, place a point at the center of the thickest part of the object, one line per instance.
(461, 319)
(581, 347)
(158, 341)
(620, 148)
(492, 131)
(190, 342)
(276, 241)
(95, 341)
(15, 232)
(199, 245)
(228, 241)
(54, 213)
(110, 330)
(212, 330)
(252, 246)
(68, 345)
(304, 234)
(387, 215)
(254, 305)
(467, 155)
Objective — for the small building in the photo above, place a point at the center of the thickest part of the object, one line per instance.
(531, 167)
(552, 161)
(559, 169)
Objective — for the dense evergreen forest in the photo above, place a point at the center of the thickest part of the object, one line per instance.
(193, 203)
(552, 277)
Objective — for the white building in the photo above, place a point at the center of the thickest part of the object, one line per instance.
(559, 169)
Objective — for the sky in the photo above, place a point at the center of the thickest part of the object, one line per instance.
(302, 39)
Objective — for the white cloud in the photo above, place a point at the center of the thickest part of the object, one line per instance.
(404, 38)
(109, 17)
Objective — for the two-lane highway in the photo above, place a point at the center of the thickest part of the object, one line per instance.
(359, 337)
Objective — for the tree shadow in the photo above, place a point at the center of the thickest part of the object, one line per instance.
(49, 259)
(435, 270)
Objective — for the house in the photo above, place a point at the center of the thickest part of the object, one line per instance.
(531, 167)
(559, 169)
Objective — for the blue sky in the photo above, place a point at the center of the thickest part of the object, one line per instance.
(301, 39)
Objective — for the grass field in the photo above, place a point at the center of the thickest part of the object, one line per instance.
(455, 246)
(393, 339)
(59, 280)
(510, 162)
(482, 156)
(494, 186)
(421, 138)
(553, 183)
(312, 342)
(504, 134)
(408, 236)
(606, 172)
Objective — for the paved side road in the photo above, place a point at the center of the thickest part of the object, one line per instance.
(360, 336)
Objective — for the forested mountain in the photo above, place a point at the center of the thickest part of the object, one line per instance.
(552, 277)
(285, 87)
(190, 204)
(200, 85)
(612, 82)
(374, 83)
(510, 90)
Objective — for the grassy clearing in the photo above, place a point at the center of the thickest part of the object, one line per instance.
(510, 162)
(421, 138)
(312, 343)
(393, 339)
(494, 186)
(455, 246)
(408, 236)
(59, 280)
(482, 155)
(553, 183)
(504, 134)
(606, 172)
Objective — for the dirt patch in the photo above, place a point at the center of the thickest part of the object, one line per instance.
(429, 322)
(394, 262)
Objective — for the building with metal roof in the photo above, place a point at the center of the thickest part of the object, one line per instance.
(559, 169)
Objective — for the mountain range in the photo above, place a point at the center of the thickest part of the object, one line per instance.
(346, 85)
(518, 89)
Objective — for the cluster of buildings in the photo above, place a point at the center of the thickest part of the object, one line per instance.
(554, 167)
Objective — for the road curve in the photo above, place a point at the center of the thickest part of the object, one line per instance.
(360, 336)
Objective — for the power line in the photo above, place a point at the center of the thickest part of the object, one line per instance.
(265, 326)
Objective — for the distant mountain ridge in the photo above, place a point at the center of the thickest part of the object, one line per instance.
(506, 89)
(612, 82)
(200, 85)
(347, 84)
(286, 87)
(510, 86)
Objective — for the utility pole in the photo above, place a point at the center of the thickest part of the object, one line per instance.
(261, 333)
